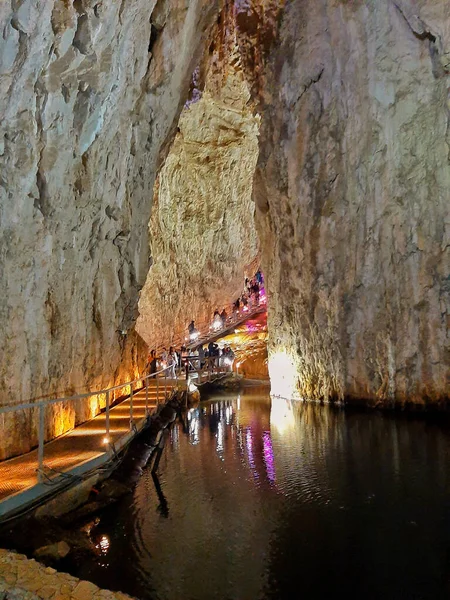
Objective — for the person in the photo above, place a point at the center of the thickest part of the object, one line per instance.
(191, 327)
(151, 364)
(213, 353)
(229, 357)
(201, 356)
(217, 321)
(255, 290)
(259, 277)
(237, 306)
(223, 316)
(164, 358)
(171, 363)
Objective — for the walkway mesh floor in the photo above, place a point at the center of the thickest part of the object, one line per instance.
(83, 443)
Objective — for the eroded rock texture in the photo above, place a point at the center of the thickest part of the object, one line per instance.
(89, 93)
(202, 226)
(352, 190)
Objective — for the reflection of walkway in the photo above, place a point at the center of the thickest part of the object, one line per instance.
(163, 506)
(78, 452)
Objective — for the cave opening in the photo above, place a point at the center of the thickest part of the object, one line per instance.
(205, 251)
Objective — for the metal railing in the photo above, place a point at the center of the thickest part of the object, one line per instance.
(207, 368)
(206, 330)
(213, 368)
(41, 405)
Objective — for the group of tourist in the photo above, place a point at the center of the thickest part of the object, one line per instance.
(249, 299)
(173, 360)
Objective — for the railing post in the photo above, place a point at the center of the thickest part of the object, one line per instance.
(146, 396)
(131, 406)
(41, 442)
(157, 390)
(107, 416)
(165, 385)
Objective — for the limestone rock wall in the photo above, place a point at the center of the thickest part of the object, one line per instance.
(89, 94)
(202, 226)
(352, 191)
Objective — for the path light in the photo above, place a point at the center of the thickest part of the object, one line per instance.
(106, 440)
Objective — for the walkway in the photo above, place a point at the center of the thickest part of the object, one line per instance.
(208, 335)
(78, 451)
(89, 447)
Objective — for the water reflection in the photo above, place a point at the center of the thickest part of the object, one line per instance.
(263, 496)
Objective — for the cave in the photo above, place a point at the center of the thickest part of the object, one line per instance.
(343, 164)
(155, 154)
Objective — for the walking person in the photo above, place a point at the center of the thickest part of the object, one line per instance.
(152, 363)
(172, 363)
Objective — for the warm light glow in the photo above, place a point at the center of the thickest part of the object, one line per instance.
(104, 544)
(106, 440)
(192, 387)
(283, 375)
(217, 324)
(281, 415)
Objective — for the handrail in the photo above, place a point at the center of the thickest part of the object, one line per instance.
(13, 407)
(41, 405)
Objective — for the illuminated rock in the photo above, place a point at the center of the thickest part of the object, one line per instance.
(352, 192)
(202, 227)
(89, 93)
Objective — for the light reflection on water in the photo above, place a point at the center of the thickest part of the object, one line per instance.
(254, 501)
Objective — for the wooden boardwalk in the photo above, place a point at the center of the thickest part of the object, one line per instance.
(82, 450)
(76, 452)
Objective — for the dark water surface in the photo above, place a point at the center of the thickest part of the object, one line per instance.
(260, 501)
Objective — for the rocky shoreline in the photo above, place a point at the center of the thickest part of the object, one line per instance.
(25, 579)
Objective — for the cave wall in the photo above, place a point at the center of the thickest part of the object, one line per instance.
(352, 191)
(90, 93)
(202, 228)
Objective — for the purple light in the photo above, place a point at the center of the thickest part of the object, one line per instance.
(268, 457)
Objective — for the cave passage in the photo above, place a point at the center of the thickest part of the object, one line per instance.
(203, 236)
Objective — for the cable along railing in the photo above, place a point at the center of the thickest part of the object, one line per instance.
(42, 405)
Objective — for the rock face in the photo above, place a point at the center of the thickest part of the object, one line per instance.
(351, 187)
(352, 191)
(90, 92)
(202, 226)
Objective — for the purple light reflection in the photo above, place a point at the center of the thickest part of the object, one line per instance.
(268, 457)
(251, 458)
